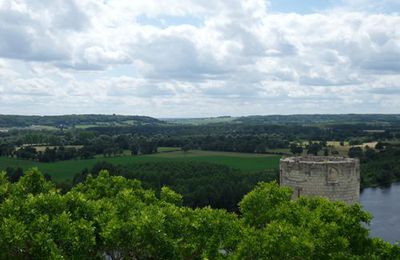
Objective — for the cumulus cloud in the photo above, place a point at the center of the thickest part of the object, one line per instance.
(197, 58)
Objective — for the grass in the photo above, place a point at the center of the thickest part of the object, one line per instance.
(85, 126)
(64, 170)
(168, 149)
(43, 127)
(279, 150)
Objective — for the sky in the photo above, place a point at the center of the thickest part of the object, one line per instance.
(199, 58)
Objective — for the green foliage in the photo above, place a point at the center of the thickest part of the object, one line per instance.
(296, 148)
(258, 207)
(314, 148)
(356, 152)
(72, 120)
(381, 168)
(33, 182)
(110, 216)
(170, 196)
(276, 241)
(308, 228)
(201, 184)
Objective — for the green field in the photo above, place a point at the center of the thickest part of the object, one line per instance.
(63, 170)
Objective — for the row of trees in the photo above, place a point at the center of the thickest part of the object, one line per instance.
(115, 218)
(313, 148)
(6, 149)
(102, 145)
(48, 155)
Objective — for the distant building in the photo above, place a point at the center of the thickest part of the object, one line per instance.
(335, 178)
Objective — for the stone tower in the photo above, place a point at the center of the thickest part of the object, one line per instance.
(335, 178)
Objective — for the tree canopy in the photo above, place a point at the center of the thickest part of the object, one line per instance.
(110, 216)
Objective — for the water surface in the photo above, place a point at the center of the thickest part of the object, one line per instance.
(384, 204)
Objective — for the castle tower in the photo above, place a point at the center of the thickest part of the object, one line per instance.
(335, 178)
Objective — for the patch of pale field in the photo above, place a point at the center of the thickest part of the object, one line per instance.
(370, 145)
(337, 143)
(343, 150)
(42, 127)
(84, 126)
(43, 147)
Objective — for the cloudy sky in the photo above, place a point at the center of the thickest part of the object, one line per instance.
(195, 58)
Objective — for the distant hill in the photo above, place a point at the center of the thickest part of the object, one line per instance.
(379, 119)
(75, 120)
(310, 119)
(96, 121)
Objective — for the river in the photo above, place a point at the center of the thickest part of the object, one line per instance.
(384, 204)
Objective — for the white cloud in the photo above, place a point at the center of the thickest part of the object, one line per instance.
(196, 58)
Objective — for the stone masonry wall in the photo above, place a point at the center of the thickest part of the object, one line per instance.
(336, 178)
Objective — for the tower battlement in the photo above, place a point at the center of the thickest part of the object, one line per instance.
(335, 178)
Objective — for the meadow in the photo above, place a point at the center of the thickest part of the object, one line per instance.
(63, 170)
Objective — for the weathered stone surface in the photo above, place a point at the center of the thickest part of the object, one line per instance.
(336, 178)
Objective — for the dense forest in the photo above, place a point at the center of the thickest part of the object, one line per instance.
(116, 218)
(380, 168)
(201, 184)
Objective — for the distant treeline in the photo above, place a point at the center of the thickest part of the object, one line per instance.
(97, 145)
(289, 132)
(373, 119)
(71, 120)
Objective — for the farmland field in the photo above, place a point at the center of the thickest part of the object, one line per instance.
(63, 170)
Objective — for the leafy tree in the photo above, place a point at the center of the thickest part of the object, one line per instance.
(296, 149)
(258, 206)
(356, 152)
(380, 146)
(186, 148)
(28, 153)
(314, 148)
(14, 174)
(308, 228)
(113, 217)
(369, 154)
